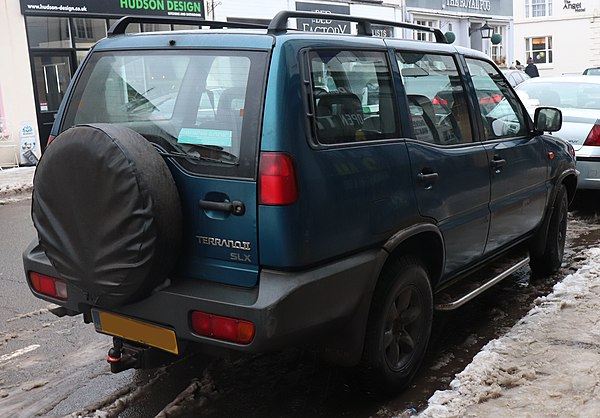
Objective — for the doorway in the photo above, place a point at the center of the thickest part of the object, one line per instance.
(52, 73)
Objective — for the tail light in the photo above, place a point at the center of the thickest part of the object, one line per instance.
(48, 286)
(593, 138)
(223, 327)
(50, 139)
(492, 98)
(277, 183)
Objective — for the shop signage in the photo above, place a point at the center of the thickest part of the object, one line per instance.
(484, 5)
(470, 7)
(382, 31)
(177, 8)
(324, 24)
(569, 5)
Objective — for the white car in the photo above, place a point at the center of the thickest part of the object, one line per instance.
(578, 97)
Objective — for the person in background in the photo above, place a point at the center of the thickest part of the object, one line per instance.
(531, 69)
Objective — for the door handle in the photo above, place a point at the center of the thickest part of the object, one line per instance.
(427, 178)
(498, 163)
(235, 208)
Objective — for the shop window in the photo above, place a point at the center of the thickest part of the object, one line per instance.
(48, 32)
(538, 8)
(88, 31)
(540, 49)
(155, 27)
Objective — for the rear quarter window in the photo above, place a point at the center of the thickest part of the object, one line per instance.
(352, 96)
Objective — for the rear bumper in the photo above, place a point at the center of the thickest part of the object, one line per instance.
(286, 307)
(589, 168)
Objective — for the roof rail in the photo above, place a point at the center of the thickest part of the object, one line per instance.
(279, 23)
(121, 25)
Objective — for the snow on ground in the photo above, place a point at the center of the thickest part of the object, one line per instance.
(548, 364)
(16, 184)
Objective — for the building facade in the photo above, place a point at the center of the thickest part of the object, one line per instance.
(463, 19)
(561, 36)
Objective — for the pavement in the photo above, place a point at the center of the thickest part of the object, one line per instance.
(16, 184)
(548, 364)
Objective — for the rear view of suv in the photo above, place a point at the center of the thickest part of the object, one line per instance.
(248, 189)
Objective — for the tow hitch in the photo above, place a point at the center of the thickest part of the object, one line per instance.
(125, 355)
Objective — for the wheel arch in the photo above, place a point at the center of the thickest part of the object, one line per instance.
(424, 241)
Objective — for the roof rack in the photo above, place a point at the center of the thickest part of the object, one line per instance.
(121, 25)
(279, 23)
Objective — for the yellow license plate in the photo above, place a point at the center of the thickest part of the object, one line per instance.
(135, 330)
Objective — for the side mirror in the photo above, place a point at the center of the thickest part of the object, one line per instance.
(547, 119)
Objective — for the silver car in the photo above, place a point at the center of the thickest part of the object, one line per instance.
(578, 97)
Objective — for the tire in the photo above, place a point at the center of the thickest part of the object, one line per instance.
(549, 261)
(398, 328)
(107, 213)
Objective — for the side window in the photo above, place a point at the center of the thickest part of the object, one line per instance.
(436, 98)
(500, 111)
(352, 96)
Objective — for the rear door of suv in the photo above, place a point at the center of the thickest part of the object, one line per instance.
(201, 108)
(449, 165)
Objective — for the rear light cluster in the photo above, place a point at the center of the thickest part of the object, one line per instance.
(492, 98)
(277, 183)
(593, 138)
(222, 327)
(48, 286)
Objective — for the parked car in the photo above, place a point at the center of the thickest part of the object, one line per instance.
(514, 76)
(592, 71)
(321, 201)
(578, 98)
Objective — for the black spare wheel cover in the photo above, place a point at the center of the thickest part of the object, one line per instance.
(107, 212)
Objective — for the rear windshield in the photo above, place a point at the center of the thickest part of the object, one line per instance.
(199, 108)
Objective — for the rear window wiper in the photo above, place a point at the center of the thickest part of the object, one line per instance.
(195, 157)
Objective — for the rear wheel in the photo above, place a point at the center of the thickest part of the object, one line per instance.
(550, 259)
(399, 326)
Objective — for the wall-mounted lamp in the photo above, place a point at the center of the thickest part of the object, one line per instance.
(486, 31)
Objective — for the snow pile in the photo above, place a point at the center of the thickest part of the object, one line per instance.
(16, 184)
(548, 364)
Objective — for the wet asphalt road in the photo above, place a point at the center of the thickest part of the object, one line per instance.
(56, 366)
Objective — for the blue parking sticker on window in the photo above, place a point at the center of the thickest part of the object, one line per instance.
(193, 136)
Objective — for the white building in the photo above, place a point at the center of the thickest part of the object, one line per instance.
(464, 19)
(561, 36)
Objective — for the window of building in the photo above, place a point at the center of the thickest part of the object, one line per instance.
(540, 49)
(88, 31)
(538, 8)
(48, 32)
(498, 53)
(424, 36)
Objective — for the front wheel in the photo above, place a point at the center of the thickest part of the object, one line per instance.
(399, 326)
(550, 259)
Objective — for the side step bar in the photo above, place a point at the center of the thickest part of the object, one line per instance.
(461, 301)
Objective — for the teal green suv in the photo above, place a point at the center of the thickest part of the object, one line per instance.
(242, 189)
